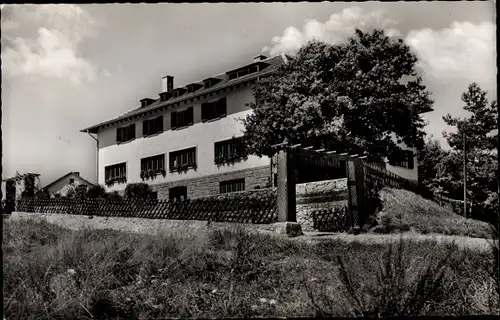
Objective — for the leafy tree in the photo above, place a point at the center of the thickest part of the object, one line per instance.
(429, 160)
(481, 150)
(354, 95)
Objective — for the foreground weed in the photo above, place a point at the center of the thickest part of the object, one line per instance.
(394, 293)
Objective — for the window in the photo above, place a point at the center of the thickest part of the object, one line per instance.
(152, 166)
(253, 69)
(177, 193)
(71, 181)
(232, 186)
(164, 96)
(244, 71)
(193, 87)
(116, 173)
(125, 133)
(229, 150)
(183, 159)
(181, 119)
(152, 126)
(402, 159)
(214, 110)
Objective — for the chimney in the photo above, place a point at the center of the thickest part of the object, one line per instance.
(167, 84)
(76, 174)
(259, 58)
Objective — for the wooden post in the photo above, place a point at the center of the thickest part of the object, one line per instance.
(10, 196)
(286, 187)
(356, 192)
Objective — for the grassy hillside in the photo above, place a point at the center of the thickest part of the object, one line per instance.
(55, 273)
(404, 210)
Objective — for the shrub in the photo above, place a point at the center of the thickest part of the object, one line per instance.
(139, 190)
(114, 196)
(96, 191)
(42, 194)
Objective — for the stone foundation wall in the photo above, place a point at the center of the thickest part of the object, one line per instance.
(134, 225)
(322, 205)
(255, 178)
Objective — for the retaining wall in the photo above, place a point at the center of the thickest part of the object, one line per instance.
(322, 205)
(132, 225)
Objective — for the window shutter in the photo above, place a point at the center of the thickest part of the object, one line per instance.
(411, 163)
(159, 124)
(173, 119)
(221, 107)
(204, 107)
(132, 131)
(189, 116)
(145, 127)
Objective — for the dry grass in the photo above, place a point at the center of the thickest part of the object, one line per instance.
(50, 272)
(404, 210)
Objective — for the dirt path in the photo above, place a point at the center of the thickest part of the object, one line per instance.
(463, 242)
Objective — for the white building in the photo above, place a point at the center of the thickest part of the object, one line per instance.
(180, 144)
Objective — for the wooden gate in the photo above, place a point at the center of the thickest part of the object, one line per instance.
(289, 157)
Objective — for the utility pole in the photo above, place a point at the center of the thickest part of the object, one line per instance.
(498, 169)
(465, 177)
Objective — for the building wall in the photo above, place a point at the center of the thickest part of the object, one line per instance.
(410, 174)
(200, 135)
(255, 178)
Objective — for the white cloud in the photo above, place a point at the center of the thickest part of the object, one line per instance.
(43, 40)
(462, 51)
(336, 29)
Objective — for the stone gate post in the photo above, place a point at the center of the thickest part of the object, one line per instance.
(356, 190)
(286, 197)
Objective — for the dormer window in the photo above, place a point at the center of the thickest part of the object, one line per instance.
(241, 72)
(193, 87)
(253, 69)
(164, 96)
(178, 92)
(146, 102)
(210, 82)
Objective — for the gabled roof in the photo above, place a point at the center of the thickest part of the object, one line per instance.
(224, 82)
(65, 176)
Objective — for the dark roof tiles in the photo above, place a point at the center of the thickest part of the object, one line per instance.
(273, 62)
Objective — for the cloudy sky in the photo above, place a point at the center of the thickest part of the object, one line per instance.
(65, 67)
